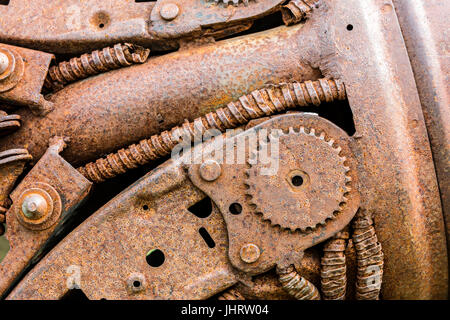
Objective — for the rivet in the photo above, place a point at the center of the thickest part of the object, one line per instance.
(169, 11)
(34, 206)
(210, 170)
(4, 62)
(250, 253)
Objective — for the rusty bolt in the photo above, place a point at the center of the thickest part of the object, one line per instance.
(250, 253)
(34, 206)
(210, 170)
(169, 11)
(4, 62)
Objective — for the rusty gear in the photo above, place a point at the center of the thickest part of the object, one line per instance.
(233, 2)
(316, 177)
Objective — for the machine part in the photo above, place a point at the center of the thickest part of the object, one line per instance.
(277, 246)
(297, 10)
(9, 123)
(297, 286)
(39, 207)
(12, 163)
(259, 103)
(359, 42)
(13, 69)
(169, 11)
(370, 258)
(118, 108)
(99, 61)
(195, 17)
(159, 223)
(267, 286)
(62, 188)
(425, 28)
(4, 62)
(81, 27)
(21, 84)
(306, 155)
(231, 294)
(334, 270)
(233, 2)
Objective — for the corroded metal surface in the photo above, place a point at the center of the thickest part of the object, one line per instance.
(213, 228)
(62, 187)
(259, 103)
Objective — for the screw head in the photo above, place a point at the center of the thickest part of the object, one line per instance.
(169, 11)
(250, 253)
(4, 62)
(210, 170)
(34, 206)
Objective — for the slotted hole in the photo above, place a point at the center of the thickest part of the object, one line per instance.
(155, 258)
(207, 237)
(4, 2)
(202, 209)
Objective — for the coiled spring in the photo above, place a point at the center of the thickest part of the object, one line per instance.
(259, 103)
(231, 294)
(334, 271)
(369, 256)
(121, 55)
(297, 10)
(296, 285)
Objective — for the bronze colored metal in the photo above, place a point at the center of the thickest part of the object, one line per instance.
(121, 55)
(315, 197)
(278, 246)
(370, 258)
(334, 269)
(297, 286)
(231, 294)
(297, 10)
(62, 188)
(391, 54)
(9, 123)
(22, 83)
(115, 109)
(259, 103)
(12, 163)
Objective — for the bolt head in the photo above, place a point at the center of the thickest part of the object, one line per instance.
(250, 253)
(210, 170)
(4, 62)
(169, 11)
(34, 206)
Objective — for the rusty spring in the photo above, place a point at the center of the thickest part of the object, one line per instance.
(369, 256)
(297, 10)
(334, 269)
(296, 285)
(259, 103)
(231, 294)
(121, 55)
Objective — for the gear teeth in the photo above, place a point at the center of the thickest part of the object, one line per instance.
(331, 142)
(266, 217)
(233, 2)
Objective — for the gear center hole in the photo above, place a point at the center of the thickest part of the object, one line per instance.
(297, 179)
